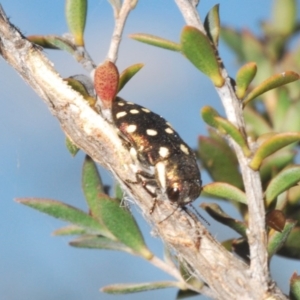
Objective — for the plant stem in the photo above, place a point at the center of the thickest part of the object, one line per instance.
(120, 20)
(256, 234)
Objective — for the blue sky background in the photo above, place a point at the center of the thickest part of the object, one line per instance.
(35, 163)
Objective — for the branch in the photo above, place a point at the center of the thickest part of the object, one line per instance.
(225, 275)
(120, 20)
(256, 234)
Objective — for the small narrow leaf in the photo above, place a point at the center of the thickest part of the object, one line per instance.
(273, 82)
(244, 77)
(295, 287)
(73, 149)
(139, 287)
(41, 40)
(64, 212)
(69, 230)
(226, 191)
(198, 49)
(271, 145)
(98, 242)
(284, 16)
(61, 43)
(122, 225)
(92, 185)
(256, 124)
(282, 182)
(218, 214)
(80, 88)
(277, 239)
(234, 40)
(291, 248)
(76, 11)
(211, 117)
(155, 41)
(219, 160)
(127, 74)
(275, 163)
(212, 24)
(106, 79)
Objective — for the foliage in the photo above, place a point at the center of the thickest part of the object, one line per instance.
(271, 114)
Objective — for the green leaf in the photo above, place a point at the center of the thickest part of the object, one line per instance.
(122, 225)
(295, 287)
(277, 239)
(282, 182)
(271, 145)
(219, 160)
(284, 16)
(98, 242)
(155, 41)
(218, 214)
(64, 212)
(233, 39)
(92, 185)
(244, 77)
(41, 40)
(139, 287)
(198, 49)
(76, 11)
(275, 163)
(81, 89)
(256, 124)
(73, 149)
(211, 117)
(291, 248)
(119, 193)
(291, 118)
(61, 43)
(225, 190)
(212, 24)
(127, 74)
(273, 82)
(252, 47)
(283, 104)
(69, 230)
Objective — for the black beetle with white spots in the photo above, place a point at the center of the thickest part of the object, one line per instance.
(163, 162)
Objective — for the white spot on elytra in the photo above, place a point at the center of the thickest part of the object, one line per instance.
(151, 132)
(184, 149)
(131, 128)
(121, 103)
(134, 111)
(145, 110)
(130, 103)
(164, 152)
(121, 114)
(169, 130)
(161, 174)
(133, 153)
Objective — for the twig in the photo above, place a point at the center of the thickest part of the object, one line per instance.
(256, 234)
(120, 20)
(226, 276)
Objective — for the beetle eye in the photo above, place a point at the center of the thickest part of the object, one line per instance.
(173, 193)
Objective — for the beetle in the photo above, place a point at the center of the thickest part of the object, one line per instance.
(164, 163)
